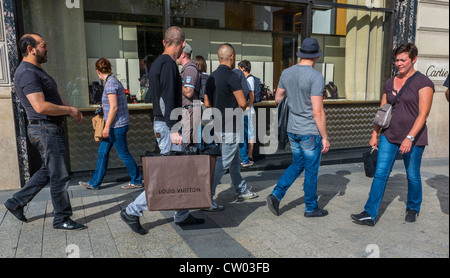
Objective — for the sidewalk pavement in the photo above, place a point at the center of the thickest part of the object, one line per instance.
(244, 229)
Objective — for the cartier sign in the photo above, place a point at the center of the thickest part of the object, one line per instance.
(436, 72)
(435, 69)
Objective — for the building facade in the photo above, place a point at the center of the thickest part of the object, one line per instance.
(357, 38)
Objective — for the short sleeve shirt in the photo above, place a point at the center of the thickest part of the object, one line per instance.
(251, 83)
(191, 78)
(113, 86)
(301, 82)
(30, 79)
(244, 83)
(406, 111)
(220, 89)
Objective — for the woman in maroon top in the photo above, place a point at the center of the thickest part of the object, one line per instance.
(407, 135)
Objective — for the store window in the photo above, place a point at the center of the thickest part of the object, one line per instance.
(354, 35)
(354, 42)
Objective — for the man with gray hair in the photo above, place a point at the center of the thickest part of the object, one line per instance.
(190, 98)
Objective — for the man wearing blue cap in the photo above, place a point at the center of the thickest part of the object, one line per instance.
(303, 86)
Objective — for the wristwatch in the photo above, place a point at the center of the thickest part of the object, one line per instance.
(411, 138)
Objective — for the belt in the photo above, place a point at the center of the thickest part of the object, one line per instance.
(38, 122)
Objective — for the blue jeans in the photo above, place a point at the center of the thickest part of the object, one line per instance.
(243, 147)
(230, 160)
(387, 154)
(139, 205)
(118, 139)
(307, 154)
(49, 139)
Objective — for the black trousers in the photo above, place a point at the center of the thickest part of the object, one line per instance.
(50, 140)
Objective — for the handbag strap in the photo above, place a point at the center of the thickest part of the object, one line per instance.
(405, 87)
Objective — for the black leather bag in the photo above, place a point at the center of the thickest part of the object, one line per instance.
(370, 162)
(283, 119)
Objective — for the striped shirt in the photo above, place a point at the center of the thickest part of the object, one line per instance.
(113, 86)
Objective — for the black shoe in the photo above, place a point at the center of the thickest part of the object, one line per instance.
(16, 211)
(411, 215)
(273, 204)
(133, 222)
(363, 219)
(317, 213)
(191, 220)
(69, 225)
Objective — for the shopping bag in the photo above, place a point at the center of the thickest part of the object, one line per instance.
(178, 182)
(370, 162)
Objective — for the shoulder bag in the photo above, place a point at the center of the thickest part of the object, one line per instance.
(384, 114)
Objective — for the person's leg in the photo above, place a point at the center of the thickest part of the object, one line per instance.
(102, 163)
(37, 182)
(243, 150)
(387, 153)
(223, 163)
(119, 140)
(56, 162)
(413, 161)
(294, 170)
(312, 152)
(251, 133)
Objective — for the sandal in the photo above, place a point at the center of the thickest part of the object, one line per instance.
(132, 186)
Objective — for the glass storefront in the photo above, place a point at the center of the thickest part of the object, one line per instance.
(355, 37)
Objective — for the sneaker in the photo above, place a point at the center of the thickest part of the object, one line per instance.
(363, 219)
(246, 196)
(248, 164)
(133, 222)
(317, 213)
(191, 220)
(215, 207)
(411, 215)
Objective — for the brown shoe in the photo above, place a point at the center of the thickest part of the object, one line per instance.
(132, 186)
(88, 186)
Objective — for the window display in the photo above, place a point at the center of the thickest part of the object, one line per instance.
(354, 35)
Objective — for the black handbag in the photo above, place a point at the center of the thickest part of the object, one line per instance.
(283, 119)
(370, 162)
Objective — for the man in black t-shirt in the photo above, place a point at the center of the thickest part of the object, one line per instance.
(165, 85)
(46, 111)
(224, 93)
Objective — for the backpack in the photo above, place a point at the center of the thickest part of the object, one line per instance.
(258, 90)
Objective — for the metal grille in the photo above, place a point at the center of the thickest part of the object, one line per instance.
(84, 150)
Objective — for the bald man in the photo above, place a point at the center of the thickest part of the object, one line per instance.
(46, 111)
(224, 92)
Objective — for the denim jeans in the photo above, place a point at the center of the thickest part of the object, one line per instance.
(248, 134)
(49, 139)
(231, 160)
(307, 154)
(118, 139)
(387, 154)
(139, 205)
